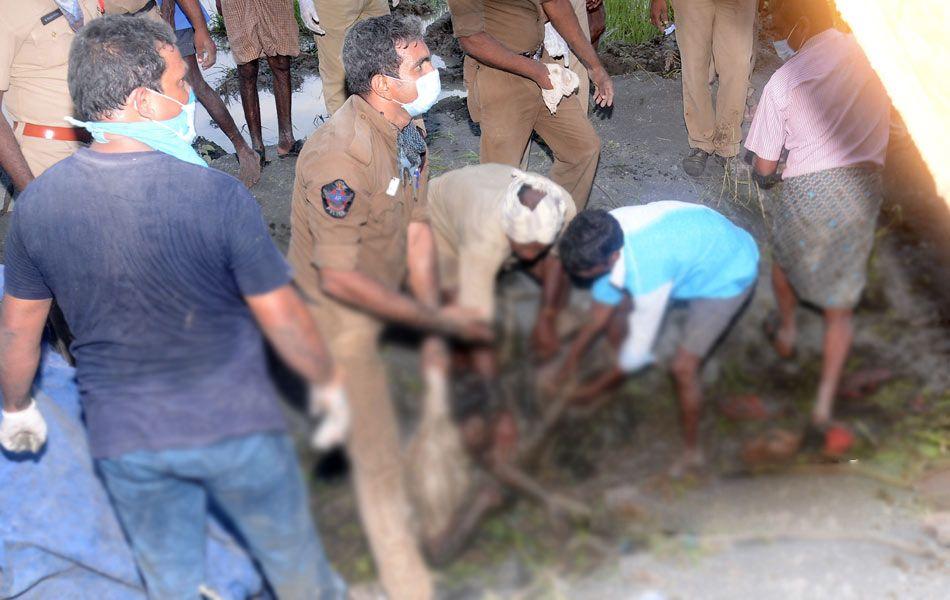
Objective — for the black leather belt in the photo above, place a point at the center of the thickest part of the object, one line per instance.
(534, 54)
(148, 6)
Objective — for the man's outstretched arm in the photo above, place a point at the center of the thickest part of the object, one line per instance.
(21, 329)
(562, 16)
(288, 325)
(11, 157)
(487, 50)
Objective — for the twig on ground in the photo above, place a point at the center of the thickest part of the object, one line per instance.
(553, 501)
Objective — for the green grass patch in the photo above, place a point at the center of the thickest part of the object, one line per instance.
(629, 21)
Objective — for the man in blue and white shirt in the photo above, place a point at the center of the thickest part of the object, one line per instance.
(651, 254)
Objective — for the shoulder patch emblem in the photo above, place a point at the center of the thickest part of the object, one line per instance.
(337, 198)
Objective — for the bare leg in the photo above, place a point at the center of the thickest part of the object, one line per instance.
(787, 303)
(250, 171)
(247, 75)
(280, 65)
(685, 370)
(838, 334)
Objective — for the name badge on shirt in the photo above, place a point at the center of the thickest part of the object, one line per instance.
(393, 186)
(51, 16)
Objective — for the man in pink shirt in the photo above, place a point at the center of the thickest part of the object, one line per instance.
(828, 109)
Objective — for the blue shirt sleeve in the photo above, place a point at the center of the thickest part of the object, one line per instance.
(605, 292)
(256, 263)
(22, 278)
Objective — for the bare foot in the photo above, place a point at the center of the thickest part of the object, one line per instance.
(250, 166)
(691, 460)
(780, 337)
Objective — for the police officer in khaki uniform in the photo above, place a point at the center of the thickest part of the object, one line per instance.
(336, 17)
(360, 230)
(504, 74)
(34, 49)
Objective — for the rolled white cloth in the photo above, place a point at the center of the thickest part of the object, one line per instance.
(544, 222)
(23, 430)
(565, 82)
(555, 44)
(329, 401)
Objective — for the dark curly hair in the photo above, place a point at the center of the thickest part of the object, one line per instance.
(112, 56)
(369, 49)
(589, 240)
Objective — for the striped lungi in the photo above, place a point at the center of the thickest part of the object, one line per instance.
(822, 233)
(258, 28)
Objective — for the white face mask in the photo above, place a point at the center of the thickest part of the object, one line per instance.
(428, 88)
(782, 47)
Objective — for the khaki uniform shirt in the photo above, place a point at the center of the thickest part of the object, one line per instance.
(33, 59)
(351, 207)
(517, 24)
(465, 208)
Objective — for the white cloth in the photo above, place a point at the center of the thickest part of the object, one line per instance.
(555, 44)
(329, 402)
(565, 82)
(643, 324)
(541, 224)
(23, 430)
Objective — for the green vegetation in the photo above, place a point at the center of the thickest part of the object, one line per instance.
(628, 21)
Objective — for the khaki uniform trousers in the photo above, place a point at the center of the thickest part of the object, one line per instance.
(375, 451)
(509, 107)
(721, 31)
(337, 17)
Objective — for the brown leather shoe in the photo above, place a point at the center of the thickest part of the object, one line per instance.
(695, 162)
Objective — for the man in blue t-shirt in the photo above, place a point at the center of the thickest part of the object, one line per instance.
(189, 20)
(649, 255)
(167, 277)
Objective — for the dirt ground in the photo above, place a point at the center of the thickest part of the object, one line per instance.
(809, 529)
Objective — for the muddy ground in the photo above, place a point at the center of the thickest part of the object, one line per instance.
(808, 529)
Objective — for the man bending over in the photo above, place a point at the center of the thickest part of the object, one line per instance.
(652, 254)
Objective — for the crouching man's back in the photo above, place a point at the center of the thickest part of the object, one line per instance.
(169, 281)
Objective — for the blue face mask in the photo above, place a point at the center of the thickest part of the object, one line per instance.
(171, 136)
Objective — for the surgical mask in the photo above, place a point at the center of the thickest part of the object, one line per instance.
(782, 47)
(171, 136)
(428, 88)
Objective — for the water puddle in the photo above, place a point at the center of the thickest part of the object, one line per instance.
(308, 109)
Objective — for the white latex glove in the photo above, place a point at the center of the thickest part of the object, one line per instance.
(555, 44)
(310, 18)
(564, 81)
(23, 430)
(394, 3)
(210, 6)
(329, 401)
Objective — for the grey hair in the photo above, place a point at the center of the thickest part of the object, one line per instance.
(369, 49)
(112, 56)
